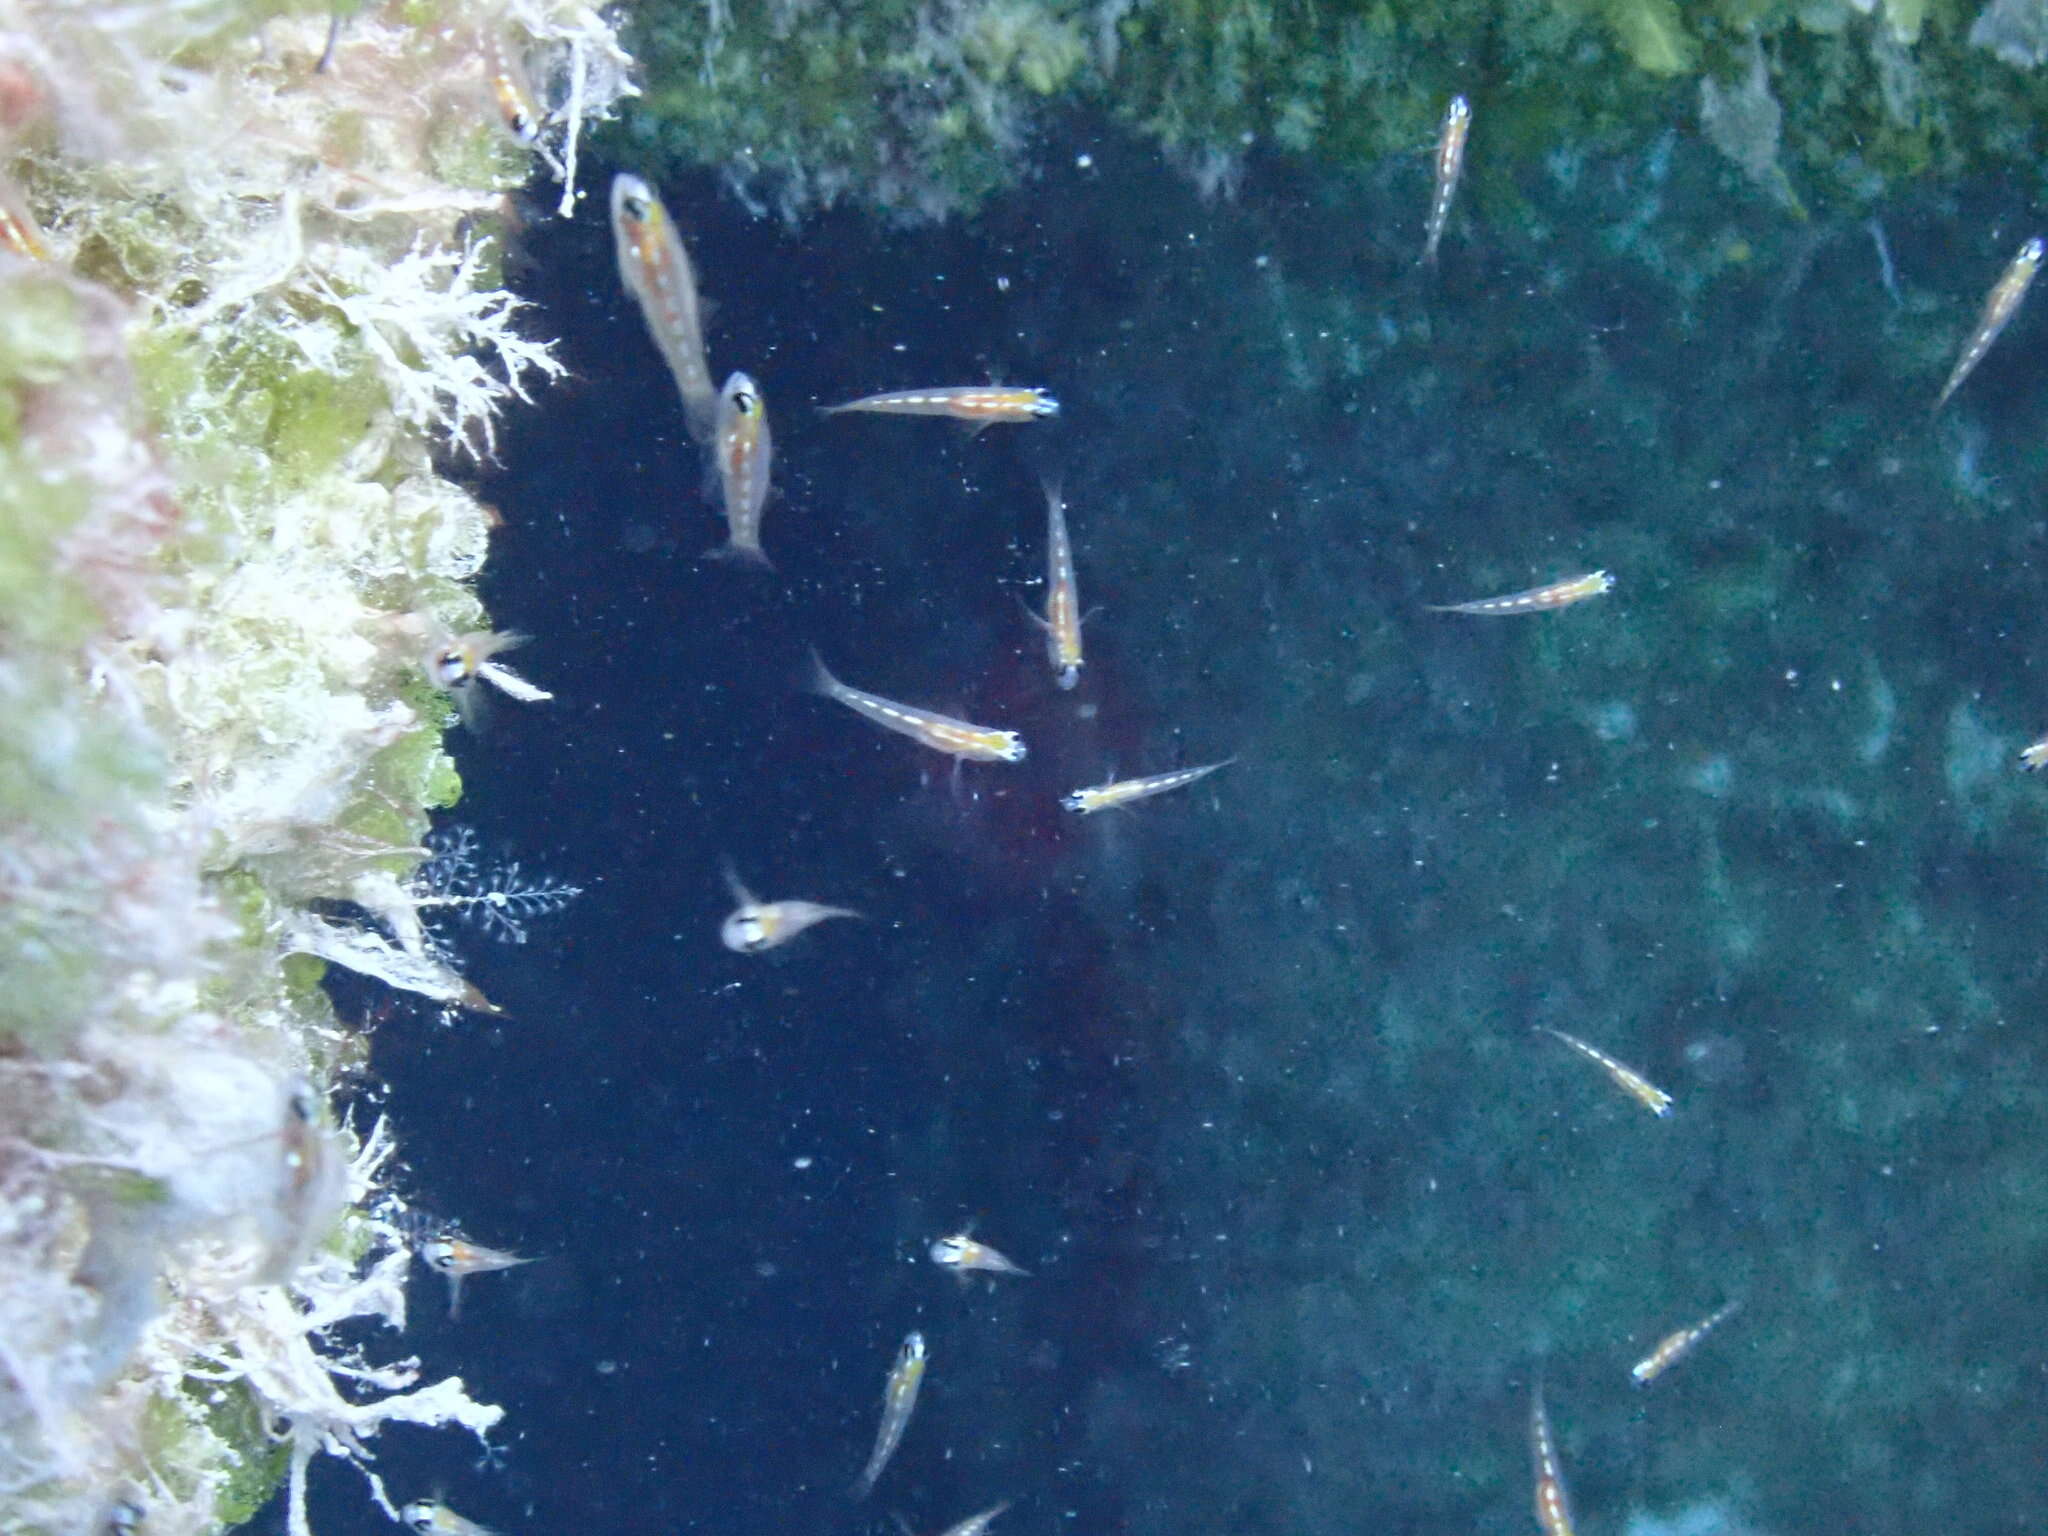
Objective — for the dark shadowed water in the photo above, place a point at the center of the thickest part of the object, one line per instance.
(1250, 1076)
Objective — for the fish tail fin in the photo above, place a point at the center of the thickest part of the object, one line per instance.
(818, 677)
(750, 555)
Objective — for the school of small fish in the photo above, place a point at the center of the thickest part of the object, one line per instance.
(730, 425)
(655, 268)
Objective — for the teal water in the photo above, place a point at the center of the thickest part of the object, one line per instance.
(1250, 1076)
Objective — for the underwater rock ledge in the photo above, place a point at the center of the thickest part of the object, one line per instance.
(243, 301)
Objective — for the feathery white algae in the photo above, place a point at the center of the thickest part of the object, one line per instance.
(221, 537)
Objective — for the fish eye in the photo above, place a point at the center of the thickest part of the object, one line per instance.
(744, 402)
(636, 206)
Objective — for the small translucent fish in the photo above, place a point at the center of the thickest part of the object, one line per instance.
(942, 733)
(656, 270)
(1559, 594)
(755, 925)
(1062, 621)
(458, 1258)
(518, 107)
(979, 405)
(1999, 307)
(961, 1254)
(1676, 1346)
(745, 456)
(430, 1517)
(1553, 1505)
(1450, 163)
(313, 1191)
(975, 1525)
(457, 663)
(1107, 797)
(2035, 756)
(1630, 1081)
(899, 1400)
(19, 231)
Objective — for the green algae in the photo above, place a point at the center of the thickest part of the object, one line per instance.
(923, 114)
(1653, 35)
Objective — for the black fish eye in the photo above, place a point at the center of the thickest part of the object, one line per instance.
(637, 206)
(744, 403)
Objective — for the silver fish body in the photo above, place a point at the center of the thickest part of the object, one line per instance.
(899, 1401)
(746, 457)
(942, 733)
(655, 267)
(755, 925)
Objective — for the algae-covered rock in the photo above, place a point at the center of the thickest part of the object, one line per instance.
(923, 111)
(242, 306)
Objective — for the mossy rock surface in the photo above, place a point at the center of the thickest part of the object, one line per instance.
(891, 106)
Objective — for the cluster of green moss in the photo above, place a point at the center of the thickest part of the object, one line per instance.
(923, 110)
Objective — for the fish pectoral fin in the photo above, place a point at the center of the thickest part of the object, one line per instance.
(733, 883)
(1038, 619)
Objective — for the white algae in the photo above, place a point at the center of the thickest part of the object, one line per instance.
(258, 304)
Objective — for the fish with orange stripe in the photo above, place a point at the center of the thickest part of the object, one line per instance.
(1553, 1503)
